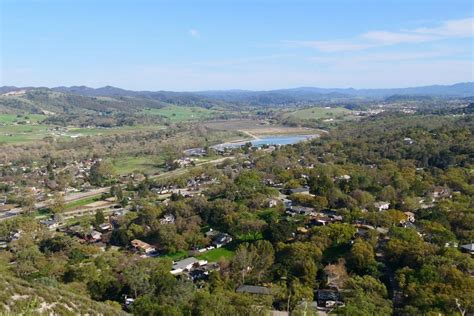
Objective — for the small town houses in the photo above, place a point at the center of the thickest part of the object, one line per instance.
(186, 265)
(143, 247)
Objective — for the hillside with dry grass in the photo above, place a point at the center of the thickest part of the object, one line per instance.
(19, 297)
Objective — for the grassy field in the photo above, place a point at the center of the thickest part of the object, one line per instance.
(82, 202)
(146, 164)
(177, 255)
(183, 113)
(11, 133)
(111, 131)
(9, 119)
(319, 113)
(258, 128)
(215, 254)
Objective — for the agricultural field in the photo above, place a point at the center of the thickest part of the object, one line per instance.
(11, 133)
(178, 114)
(21, 128)
(9, 119)
(145, 164)
(252, 128)
(316, 113)
(96, 131)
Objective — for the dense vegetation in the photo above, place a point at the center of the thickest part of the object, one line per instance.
(420, 164)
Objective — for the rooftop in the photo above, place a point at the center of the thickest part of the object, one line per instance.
(182, 264)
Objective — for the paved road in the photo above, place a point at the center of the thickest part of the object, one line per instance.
(70, 197)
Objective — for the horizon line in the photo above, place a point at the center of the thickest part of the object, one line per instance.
(235, 89)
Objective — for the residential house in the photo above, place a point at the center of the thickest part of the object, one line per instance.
(321, 221)
(382, 205)
(335, 275)
(363, 229)
(273, 202)
(183, 162)
(441, 192)
(186, 265)
(382, 230)
(302, 190)
(468, 248)
(95, 236)
(105, 227)
(167, 219)
(128, 301)
(287, 203)
(344, 177)
(300, 210)
(410, 216)
(221, 239)
(51, 224)
(15, 234)
(332, 214)
(328, 298)
(202, 272)
(143, 246)
(195, 152)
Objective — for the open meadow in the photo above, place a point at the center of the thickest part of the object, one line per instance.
(317, 113)
(178, 114)
(19, 129)
(259, 128)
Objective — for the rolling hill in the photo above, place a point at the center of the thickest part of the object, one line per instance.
(82, 99)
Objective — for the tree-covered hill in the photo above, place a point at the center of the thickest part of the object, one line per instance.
(46, 101)
(108, 98)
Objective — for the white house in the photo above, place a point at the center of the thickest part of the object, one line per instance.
(186, 265)
(382, 205)
(167, 219)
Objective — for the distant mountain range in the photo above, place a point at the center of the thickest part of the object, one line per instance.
(108, 98)
(463, 89)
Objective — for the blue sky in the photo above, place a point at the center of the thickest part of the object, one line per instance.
(202, 45)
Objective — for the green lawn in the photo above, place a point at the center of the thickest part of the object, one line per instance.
(11, 134)
(22, 133)
(183, 113)
(12, 118)
(146, 164)
(176, 256)
(319, 113)
(82, 202)
(215, 254)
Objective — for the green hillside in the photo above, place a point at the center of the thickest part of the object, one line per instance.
(45, 101)
(183, 113)
(319, 113)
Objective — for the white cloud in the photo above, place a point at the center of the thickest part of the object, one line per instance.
(453, 28)
(391, 38)
(194, 33)
(462, 28)
(384, 57)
